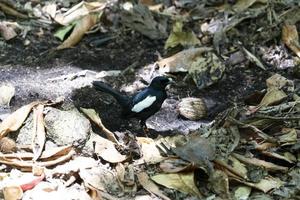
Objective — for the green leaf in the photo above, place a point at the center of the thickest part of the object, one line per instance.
(63, 31)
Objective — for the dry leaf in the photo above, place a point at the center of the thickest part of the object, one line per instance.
(261, 163)
(14, 121)
(272, 97)
(81, 27)
(12, 11)
(265, 185)
(179, 36)
(7, 91)
(181, 61)
(150, 152)
(150, 186)
(50, 9)
(50, 154)
(12, 193)
(252, 58)
(91, 113)
(173, 165)
(27, 165)
(39, 135)
(290, 38)
(242, 5)
(79, 11)
(220, 183)
(106, 150)
(183, 182)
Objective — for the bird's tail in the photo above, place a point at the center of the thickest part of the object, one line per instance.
(99, 85)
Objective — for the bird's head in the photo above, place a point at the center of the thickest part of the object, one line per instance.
(161, 82)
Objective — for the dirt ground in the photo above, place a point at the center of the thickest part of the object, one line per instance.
(38, 74)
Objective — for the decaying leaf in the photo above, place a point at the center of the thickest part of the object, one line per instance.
(197, 150)
(173, 165)
(126, 177)
(273, 97)
(291, 38)
(252, 58)
(183, 182)
(14, 121)
(150, 152)
(288, 137)
(233, 167)
(242, 5)
(181, 61)
(39, 134)
(150, 186)
(242, 192)
(279, 82)
(141, 19)
(7, 92)
(206, 70)
(91, 113)
(220, 183)
(265, 185)
(261, 163)
(180, 36)
(106, 150)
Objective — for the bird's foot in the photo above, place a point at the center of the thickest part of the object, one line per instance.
(146, 131)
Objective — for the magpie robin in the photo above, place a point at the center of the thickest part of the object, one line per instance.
(143, 104)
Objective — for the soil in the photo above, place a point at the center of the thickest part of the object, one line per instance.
(37, 72)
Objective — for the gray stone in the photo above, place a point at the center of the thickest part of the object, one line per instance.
(67, 127)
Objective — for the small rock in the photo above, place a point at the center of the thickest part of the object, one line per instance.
(7, 145)
(67, 127)
(6, 94)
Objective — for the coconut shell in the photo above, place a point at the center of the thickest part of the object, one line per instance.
(192, 108)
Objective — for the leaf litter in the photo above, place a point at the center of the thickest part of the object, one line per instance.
(246, 147)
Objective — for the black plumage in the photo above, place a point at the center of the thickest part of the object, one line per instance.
(143, 104)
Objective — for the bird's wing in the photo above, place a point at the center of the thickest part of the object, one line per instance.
(142, 100)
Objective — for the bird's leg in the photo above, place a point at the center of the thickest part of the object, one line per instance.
(145, 128)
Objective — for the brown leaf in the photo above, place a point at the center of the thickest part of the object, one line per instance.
(265, 185)
(290, 38)
(183, 182)
(181, 61)
(173, 165)
(91, 113)
(15, 161)
(39, 135)
(261, 163)
(150, 152)
(150, 186)
(106, 150)
(81, 27)
(14, 121)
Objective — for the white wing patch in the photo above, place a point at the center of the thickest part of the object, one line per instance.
(147, 102)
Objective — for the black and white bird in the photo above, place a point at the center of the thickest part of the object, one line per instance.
(143, 104)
